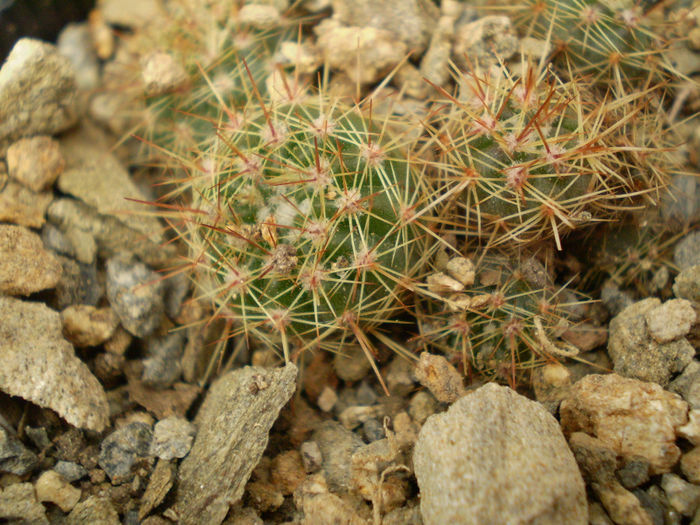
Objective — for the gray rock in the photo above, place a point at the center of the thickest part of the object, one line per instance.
(366, 394)
(687, 284)
(38, 93)
(682, 204)
(311, 456)
(78, 285)
(56, 241)
(684, 497)
(634, 352)
(233, 425)
(94, 510)
(69, 470)
(421, 406)
(135, 293)
(123, 448)
(475, 464)
(485, 41)
(633, 473)
(40, 365)
(161, 366)
(15, 458)
(172, 438)
(671, 320)
(25, 266)
(687, 385)
(373, 430)
(75, 43)
(687, 251)
(38, 436)
(176, 288)
(614, 299)
(18, 502)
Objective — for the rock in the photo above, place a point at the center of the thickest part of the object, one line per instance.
(354, 416)
(111, 235)
(161, 366)
(79, 284)
(40, 365)
(598, 463)
(320, 506)
(399, 376)
(70, 471)
(442, 379)
(633, 473)
(337, 445)
(410, 21)
(94, 510)
(287, 471)
(682, 205)
(631, 417)
(56, 241)
(18, 502)
(22, 206)
(365, 54)
(586, 336)
(684, 497)
(176, 289)
(172, 438)
(691, 430)
(635, 354)
(351, 364)
(233, 425)
(671, 320)
(327, 399)
(35, 162)
(690, 465)
(435, 65)
(15, 458)
(123, 448)
(687, 284)
(130, 13)
(135, 293)
(54, 488)
(475, 462)
(373, 430)
(484, 42)
(258, 16)
(303, 56)
(38, 93)
(421, 406)
(85, 325)
(614, 299)
(374, 470)
(162, 73)
(687, 251)
(311, 456)
(551, 384)
(25, 267)
(159, 484)
(75, 43)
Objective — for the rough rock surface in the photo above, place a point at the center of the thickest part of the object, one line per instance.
(53, 487)
(233, 425)
(172, 438)
(39, 365)
(38, 93)
(85, 325)
(15, 458)
(631, 417)
(123, 448)
(671, 320)
(22, 206)
(687, 284)
(25, 266)
(18, 502)
(94, 510)
(35, 162)
(337, 445)
(475, 464)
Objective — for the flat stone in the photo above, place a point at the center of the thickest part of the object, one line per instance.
(85, 325)
(54, 488)
(38, 93)
(123, 448)
(475, 464)
(633, 418)
(40, 366)
(35, 162)
(25, 266)
(18, 502)
(159, 484)
(22, 206)
(233, 425)
(172, 438)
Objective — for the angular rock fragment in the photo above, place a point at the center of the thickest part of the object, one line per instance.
(25, 266)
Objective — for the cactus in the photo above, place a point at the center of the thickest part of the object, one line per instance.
(521, 159)
(503, 324)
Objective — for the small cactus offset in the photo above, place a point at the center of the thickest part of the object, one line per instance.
(525, 158)
(304, 225)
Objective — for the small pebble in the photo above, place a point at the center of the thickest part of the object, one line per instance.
(373, 430)
(351, 363)
(311, 456)
(54, 488)
(287, 471)
(690, 465)
(15, 458)
(172, 438)
(671, 320)
(687, 284)
(121, 449)
(35, 162)
(25, 266)
(327, 399)
(421, 406)
(684, 497)
(687, 251)
(161, 366)
(95, 510)
(70, 471)
(440, 377)
(85, 325)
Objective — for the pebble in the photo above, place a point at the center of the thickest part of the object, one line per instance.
(69, 470)
(311, 456)
(684, 497)
(551, 384)
(35, 162)
(79, 284)
(614, 299)
(161, 73)
(25, 267)
(442, 379)
(172, 438)
(410, 21)
(121, 449)
(435, 64)
(374, 474)
(634, 352)
(54, 488)
(337, 445)
(287, 471)
(258, 16)
(159, 484)
(15, 458)
(135, 293)
(687, 251)
(327, 399)
(18, 504)
(475, 464)
(682, 205)
(687, 284)
(321, 506)
(633, 418)
(421, 406)
(56, 241)
(161, 366)
(176, 289)
(633, 473)
(75, 43)
(19, 205)
(690, 465)
(38, 93)
(399, 376)
(130, 13)
(486, 41)
(351, 363)
(85, 325)
(233, 425)
(366, 394)
(354, 416)
(95, 510)
(373, 430)
(691, 430)
(671, 320)
(40, 365)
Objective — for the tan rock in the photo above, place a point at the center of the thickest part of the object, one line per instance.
(20, 205)
(54, 488)
(36, 162)
(85, 325)
(25, 266)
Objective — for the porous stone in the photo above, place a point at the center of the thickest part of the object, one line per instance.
(85, 325)
(38, 93)
(233, 425)
(25, 266)
(671, 320)
(475, 462)
(35, 162)
(40, 365)
(440, 377)
(19, 505)
(636, 354)
(172, 438)
(135, 293)
(633, 418)
(123, 448)
(54, 488)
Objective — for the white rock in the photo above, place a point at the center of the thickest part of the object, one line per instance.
(671, 320)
